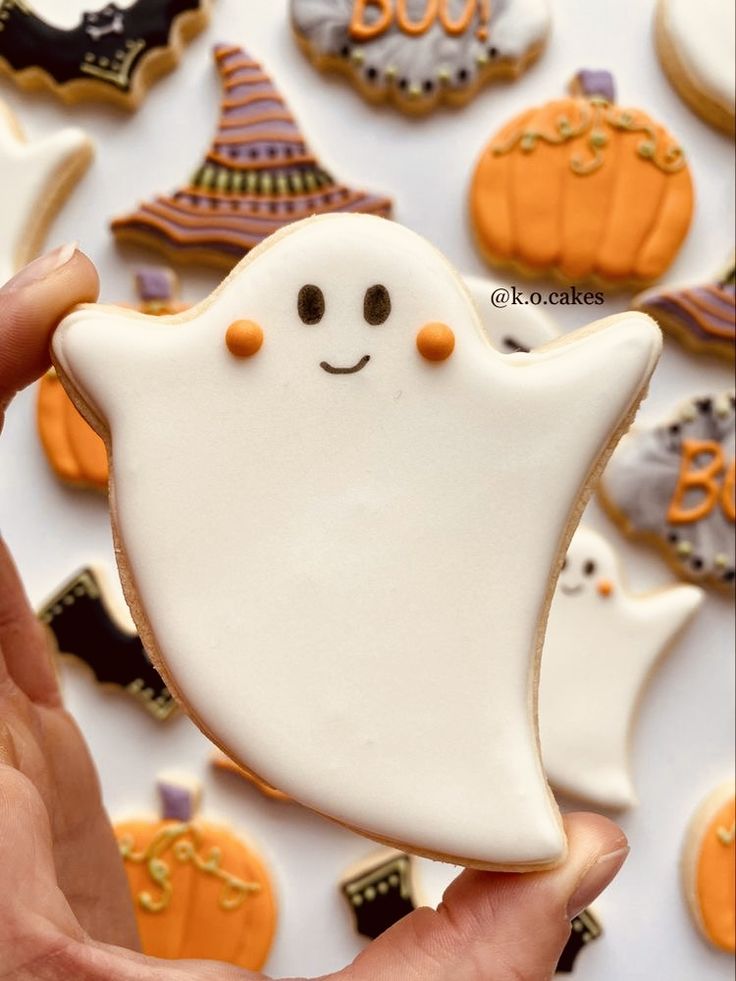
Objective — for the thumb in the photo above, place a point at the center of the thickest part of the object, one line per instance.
(31, 305)
(494, 926)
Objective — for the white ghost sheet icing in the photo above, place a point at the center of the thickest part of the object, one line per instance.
(345, 574)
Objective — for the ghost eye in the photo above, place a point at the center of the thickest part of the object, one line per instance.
(589, 568)
(376, 305)
(311, 304)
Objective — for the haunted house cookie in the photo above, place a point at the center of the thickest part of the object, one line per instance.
(258, 175)
(601, 647)
(702, 317)
(36, 177)
(672, 484)
(317, 499)
(420, 53)
(112, 53)
(583, 189)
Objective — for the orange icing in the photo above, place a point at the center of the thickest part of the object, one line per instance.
(360, 30)
(729, 492)
(244, 338)
(716, 878)
(705, 478)
(74, 450)
(462, 23)
(414, 28)
(585, 188)
(605, 587)
(223, 762)
(436, 342)
(189, 912)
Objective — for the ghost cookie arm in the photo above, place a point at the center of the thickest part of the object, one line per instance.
(668, 613)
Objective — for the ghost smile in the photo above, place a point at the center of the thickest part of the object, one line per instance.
(571, 590)
(346, 371)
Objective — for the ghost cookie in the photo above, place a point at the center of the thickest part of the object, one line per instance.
(113, 53)
(600, 638)
(258, 175)
(199, 890)
(583, 189)
(417, 54)
(709, 868)
(672, 484)
(512, 328)
(356, 485)
(36, 177)
(695, 43)
(702, 317)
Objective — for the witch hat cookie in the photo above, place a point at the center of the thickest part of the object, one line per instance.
(259, 175)
(369, 503)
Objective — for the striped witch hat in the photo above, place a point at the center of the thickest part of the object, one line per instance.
(258, 176)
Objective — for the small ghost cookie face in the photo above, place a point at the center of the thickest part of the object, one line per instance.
(547, 193)
(673, 484)
(420, 53)
(695, 43)
(709, 868)
(347, 510)
(601, 640)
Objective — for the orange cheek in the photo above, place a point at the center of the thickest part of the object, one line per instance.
(244, 338)
(605, 587)
(435, 342)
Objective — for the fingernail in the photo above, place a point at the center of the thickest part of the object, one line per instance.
(42, 267)
(595, 880)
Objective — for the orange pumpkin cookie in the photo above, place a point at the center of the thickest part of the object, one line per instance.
(74, 450)
(198, 890)
(709, 868)
(583, 189)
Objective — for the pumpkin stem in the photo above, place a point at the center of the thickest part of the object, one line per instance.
(594, 84)
(180, 797)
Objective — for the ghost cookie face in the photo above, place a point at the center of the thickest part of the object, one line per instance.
(600, 638)
(673, 485)
(418, 54)
(336, 478)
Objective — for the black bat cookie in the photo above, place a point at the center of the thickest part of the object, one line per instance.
(83, 628)
(585, 929)
(108, 47)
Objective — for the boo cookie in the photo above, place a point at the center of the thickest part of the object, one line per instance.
(673, 485)
(420, 53)
(315, 487)
(583, 189)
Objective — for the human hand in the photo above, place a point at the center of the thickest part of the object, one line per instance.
(65, 911)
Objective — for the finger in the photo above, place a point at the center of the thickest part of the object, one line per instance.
(31, 305)
(25, 656)
(492, 926)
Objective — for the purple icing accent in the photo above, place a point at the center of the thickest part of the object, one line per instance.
(154, 283)
(594, 82)
(177, 802)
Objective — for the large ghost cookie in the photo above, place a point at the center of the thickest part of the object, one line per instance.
(672, 485)
(339, 511)
(602, 645)
(420, 53)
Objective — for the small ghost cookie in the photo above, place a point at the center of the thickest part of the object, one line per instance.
(81, 621)
(417, 54)
(513, 328)
(258, 175)
(113, 53)
(36, 177)
(709, 868)
(362, 486)
(583, 189)
(672, 484)
(600, 638)
(695, 43)
(702, 317)
(199, 891)
(76, 453)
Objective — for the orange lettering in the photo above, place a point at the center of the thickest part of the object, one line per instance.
(729, 491)
(417, 27)
(360, 30)
(459, 26)
(704, 479)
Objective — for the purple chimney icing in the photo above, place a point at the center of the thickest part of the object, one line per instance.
(155, 283)
(593, 82)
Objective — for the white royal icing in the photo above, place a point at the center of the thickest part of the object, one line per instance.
(29, 175)
(515, 27)
(513, 327)
(599, 651)
(703, 36)
(345, 574)
(66, 14)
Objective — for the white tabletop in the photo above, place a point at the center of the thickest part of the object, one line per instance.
(684, 740)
